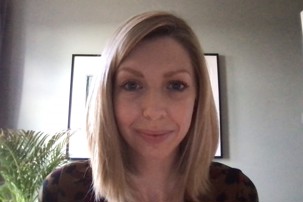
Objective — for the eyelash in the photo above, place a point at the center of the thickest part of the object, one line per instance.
(126, 85)
(174, 85)
(181, 85)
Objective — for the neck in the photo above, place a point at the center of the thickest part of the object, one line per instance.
(156, 179)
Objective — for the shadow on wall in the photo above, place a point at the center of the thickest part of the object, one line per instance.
(11, 61)
(302, 27)
(224, 107)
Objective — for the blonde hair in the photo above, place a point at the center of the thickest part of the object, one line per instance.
(110, 167)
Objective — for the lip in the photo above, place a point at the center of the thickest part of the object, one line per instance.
(154, 137)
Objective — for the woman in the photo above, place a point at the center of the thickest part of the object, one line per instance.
(152, 126)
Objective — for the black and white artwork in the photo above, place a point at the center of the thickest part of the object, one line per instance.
(82, 71)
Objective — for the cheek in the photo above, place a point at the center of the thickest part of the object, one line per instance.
(125, 113)
(182, 114)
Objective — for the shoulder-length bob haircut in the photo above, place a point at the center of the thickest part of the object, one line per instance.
(111, 169)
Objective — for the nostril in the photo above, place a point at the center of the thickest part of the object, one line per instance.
(154, 105)
(153, 113)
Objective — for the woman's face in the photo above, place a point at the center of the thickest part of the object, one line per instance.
(154, 97)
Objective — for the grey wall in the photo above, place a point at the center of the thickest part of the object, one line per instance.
(260, 43)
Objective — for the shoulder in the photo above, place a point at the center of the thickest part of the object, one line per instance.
(71, 182)
(230, 184)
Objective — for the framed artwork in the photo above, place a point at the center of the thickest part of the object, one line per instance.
(82, 71)
(212, 61)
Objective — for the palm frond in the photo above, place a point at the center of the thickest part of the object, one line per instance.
(26, 158)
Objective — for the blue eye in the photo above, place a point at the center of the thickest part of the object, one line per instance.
(177, 85)
(131, 86)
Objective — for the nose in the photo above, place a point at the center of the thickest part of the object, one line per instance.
(154, 106)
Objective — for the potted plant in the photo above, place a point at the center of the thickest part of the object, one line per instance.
(26, 158)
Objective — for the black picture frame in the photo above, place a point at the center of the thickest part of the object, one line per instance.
(82, 70)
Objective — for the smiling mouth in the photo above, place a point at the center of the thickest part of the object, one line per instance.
(154, 133)
(154, 136)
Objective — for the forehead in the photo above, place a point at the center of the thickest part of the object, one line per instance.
(160, 51)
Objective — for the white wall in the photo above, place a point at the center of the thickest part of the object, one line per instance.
(260, 43)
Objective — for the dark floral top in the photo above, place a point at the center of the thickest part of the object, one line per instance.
(73, 183)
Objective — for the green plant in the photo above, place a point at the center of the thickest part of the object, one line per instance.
(26, 158)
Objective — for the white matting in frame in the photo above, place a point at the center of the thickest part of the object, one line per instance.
(83, 66)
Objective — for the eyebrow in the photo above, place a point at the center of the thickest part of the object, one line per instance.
(166, 75)
(132, 71)
(180, 71)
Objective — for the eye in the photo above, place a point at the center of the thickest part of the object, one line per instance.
(131, 86)
(177, 85)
